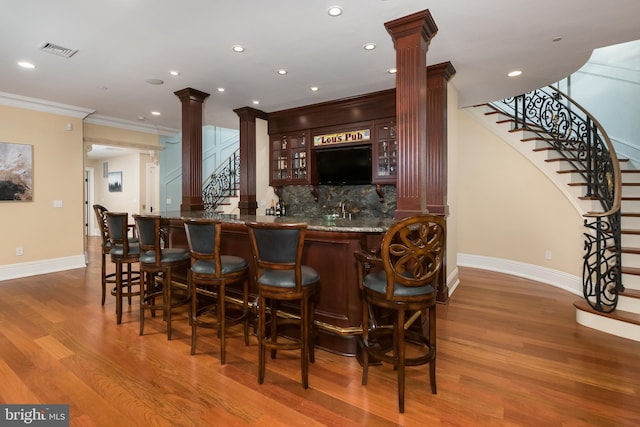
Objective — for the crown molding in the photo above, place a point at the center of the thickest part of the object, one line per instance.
(86, 114)
(35, 104)
(98, 119)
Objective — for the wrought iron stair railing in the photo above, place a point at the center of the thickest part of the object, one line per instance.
(222, 183)
(578, 137)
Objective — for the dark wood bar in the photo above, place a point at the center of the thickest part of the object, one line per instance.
(329, 248)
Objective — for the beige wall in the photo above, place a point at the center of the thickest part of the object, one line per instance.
(44, 232)
(508, 209)
(264, 192)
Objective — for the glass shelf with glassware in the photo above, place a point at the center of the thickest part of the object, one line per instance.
(289, 158)
(385, 156)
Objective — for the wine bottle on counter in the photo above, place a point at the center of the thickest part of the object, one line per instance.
(277, 208)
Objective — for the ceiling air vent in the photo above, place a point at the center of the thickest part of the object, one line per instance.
(58, 50)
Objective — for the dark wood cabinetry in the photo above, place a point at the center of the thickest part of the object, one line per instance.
(289, 159)
(291, 154)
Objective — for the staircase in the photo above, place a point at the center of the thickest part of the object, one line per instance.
(611, 278)
(220, 189)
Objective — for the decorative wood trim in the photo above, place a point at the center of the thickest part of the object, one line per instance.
(377, 105)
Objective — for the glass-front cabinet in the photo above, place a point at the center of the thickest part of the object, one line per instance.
(385, 153)
(289, 159)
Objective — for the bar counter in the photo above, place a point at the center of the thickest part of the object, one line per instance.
(329, 248)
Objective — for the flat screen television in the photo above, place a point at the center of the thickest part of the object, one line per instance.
(344, 165)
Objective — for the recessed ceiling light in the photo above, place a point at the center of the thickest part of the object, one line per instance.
(220, 89)
(556, 39)
(514, 73)
(392, 70)
(154, 81)
(314, 88)
(256, 102)
(369, 46)
(238, 48)
(25, 64)
(334, 11)
(282, 71)
(174, 73)
(155, 113)
(141, 118)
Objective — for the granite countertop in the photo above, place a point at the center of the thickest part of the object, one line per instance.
(358, 225)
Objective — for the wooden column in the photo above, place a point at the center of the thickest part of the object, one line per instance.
(192, 101)
(411, 35)
(438, 77)
(248, 204)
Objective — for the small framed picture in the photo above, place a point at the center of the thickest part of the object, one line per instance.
(115, 182)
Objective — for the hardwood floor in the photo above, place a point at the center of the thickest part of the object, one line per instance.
(509, 353)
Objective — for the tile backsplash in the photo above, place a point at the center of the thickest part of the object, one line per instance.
(359, 200)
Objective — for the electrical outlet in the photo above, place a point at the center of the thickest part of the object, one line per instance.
(19, 251)
(547, 254)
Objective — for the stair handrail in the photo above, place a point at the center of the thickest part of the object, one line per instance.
(582, 141)
(222, 182)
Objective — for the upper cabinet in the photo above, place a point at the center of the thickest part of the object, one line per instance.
(289, 157)
(385, 153)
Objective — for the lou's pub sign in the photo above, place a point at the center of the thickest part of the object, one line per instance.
(342, 137)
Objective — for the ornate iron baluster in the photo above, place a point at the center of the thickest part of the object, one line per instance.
(555, 118)
(222, 183)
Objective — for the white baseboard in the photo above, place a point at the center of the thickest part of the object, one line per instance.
(26, 269)
(556, 278)
(453, 280)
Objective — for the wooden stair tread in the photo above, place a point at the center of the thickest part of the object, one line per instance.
(569, 171)
(630, 250)
(630, 214)
(631, 293)
(634, 271)
(620, 315)
(630, 231)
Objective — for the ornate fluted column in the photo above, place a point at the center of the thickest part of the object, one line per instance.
(411, 35)
(192, 101)
(438, 77)
(248, 204)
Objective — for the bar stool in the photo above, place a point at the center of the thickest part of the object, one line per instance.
(155, 259)
(212, 272)
(108, 279)
(123, 252)
(280, 275)
(411, 256)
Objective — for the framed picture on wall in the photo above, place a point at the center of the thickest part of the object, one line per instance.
(115, 182)
(16, 172)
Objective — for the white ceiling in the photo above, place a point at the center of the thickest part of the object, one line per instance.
(121, 43)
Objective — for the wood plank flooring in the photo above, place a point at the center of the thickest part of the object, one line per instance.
(510, 353)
